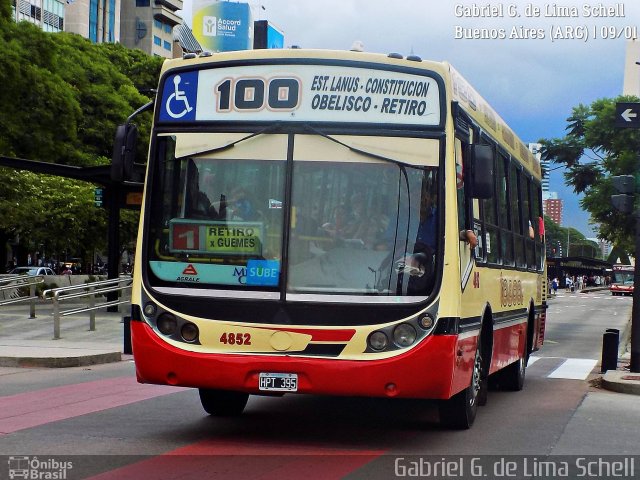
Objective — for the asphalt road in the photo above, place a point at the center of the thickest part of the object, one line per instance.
(99, 419)
(578, 320)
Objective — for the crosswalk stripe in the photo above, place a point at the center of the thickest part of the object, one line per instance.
(532, 360)
(39, 407)
(574, 369)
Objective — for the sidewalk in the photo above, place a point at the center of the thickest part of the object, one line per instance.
(28, 342)
(622, 380)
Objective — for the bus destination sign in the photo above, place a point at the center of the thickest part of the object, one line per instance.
(304, 93)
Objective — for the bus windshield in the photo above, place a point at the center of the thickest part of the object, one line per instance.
(351, 228)
(623, 277)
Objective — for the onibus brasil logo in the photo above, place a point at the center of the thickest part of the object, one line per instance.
(38, 469)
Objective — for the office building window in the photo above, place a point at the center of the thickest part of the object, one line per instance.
(143, 3)
(167, 45)
(157, 40)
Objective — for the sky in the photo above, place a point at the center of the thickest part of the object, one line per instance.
(532, 83)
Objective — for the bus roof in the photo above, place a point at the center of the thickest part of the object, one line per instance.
(459, 90)
(481, 112)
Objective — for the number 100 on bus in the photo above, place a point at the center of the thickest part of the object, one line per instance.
(253, 94)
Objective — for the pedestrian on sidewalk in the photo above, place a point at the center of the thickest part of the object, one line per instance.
(568, 284)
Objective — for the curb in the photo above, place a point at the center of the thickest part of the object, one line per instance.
(61, 362)
(622, 382)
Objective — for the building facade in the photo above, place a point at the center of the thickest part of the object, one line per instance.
(97, 20)
(632, 69)
(148, 25)
(553, 209)
(47, 14)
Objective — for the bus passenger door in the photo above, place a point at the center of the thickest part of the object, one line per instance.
(465, 252)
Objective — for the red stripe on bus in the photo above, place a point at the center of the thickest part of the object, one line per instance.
(229, 459)
(31, 409)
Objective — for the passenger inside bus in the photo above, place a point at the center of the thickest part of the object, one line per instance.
(355, 224)
(198, 205)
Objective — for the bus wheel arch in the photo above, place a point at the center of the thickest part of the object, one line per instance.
(459, 412)
(512, 377)
(530, 331)
(485, 341)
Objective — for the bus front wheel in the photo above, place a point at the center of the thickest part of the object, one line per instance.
(459, 412)
(223, 403)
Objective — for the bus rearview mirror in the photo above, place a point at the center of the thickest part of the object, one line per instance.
(124, 152)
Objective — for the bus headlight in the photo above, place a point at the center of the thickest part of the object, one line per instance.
(404, 335)
(149, 309)
(378, 341)
(167, 324)
(189, 332)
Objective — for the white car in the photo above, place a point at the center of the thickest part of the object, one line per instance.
(32, 271)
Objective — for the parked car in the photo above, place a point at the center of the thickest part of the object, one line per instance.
(32, 271)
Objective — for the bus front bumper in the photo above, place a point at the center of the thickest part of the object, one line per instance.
(426, 371)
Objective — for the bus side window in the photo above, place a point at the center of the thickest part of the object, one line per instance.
(492, 231)
(506, 237)
(516, 190)
(460, 190)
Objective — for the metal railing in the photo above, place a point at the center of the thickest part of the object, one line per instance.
(16, 282)
(89, 291)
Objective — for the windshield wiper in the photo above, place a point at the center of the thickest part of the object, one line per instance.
(270, 129)
(359, 151)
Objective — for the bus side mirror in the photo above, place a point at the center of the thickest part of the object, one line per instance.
(482, 172)
(124, 152)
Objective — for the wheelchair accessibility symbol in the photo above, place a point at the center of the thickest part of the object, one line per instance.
(179, 97)
(177, 105)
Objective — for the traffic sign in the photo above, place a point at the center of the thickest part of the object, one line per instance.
(628, 115)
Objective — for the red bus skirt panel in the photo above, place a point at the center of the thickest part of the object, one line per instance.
(437, 368)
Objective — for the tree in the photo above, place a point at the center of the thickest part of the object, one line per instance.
(61, 101)
(568, 242)
(592, 151)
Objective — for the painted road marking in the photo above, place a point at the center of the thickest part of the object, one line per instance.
(574, 369)
(31, 409)
(532, 360)
(266, 460)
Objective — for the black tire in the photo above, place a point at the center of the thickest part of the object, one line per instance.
(459, 412)
(511, 378)
(223, 403)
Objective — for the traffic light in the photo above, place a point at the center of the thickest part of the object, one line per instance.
(625, 185)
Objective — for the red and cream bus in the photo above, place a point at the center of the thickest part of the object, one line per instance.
(622, 280)
(336, 223)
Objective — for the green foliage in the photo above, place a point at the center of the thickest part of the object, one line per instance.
(568, 240)
(592, 151)
(62, 99)
(5, 10)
